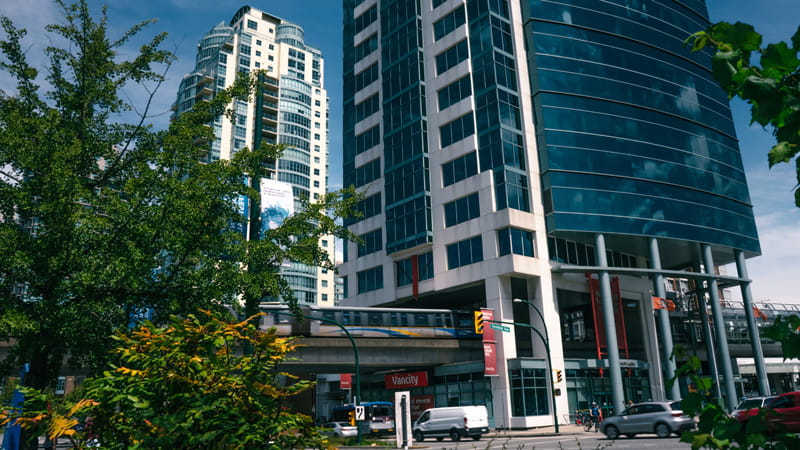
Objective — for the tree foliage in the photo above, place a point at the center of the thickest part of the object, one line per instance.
(102, 220)
(716, 429)
(186, 385)
(768, 78)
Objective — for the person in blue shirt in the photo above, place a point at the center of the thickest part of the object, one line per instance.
(596, 414)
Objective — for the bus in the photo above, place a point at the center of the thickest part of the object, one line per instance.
(378, 415)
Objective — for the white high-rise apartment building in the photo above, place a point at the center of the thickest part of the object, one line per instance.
(290, 107)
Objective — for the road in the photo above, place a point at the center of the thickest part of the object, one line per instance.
(572, 437)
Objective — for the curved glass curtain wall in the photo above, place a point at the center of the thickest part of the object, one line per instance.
(294, 167)
(635, 137)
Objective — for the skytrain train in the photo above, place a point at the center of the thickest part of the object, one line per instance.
(369, 322)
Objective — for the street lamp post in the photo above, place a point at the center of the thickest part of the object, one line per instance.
(357, 399)
(546, 340)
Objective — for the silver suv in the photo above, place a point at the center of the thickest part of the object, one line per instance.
(660, 418)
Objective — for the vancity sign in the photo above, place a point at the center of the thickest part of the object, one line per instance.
(406, 380)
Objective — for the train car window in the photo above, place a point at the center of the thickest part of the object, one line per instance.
(346, 319)
(374, 318)
(448, 321)
(356, 318)
(421, 319)
(394, 319)
(281, 318)
(439, 320)
(329, 315)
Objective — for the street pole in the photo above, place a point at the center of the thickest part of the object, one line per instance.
(546, 342)
(355, 355)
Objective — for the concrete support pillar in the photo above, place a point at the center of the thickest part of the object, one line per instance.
(674, 392)
(708, 337)
(614, 370)
(719, 327)
(752, 328)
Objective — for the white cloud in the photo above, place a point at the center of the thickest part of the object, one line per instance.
(775, 273)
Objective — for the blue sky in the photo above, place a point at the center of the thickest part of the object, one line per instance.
(187, 20)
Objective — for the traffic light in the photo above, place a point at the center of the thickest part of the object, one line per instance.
(559, 379)
(478, 322)
(351, 417)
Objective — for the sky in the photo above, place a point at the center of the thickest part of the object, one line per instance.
(186, 21)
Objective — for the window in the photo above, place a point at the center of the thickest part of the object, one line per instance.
(451, 57)
(252, 24)
(454, 92)
(404, 269)
(366, 47)
(448, 23)
(459, 169)
(371, 242)
(364, 20)
(368, 139)
(370, 206)
(324, 242)
(324, 283)
(529, 392)
(456, 130)
(465, 252)
(368, 172)
(438, 2)
(461, 210)
(370, 279)
(516, 241)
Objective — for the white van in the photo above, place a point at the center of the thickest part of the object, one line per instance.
(454, 421)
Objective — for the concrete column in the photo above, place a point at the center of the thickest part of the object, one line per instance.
(719, 328)
(755, 338)
(708, 337)
(498, 298)
(614, 370)
(674, 392)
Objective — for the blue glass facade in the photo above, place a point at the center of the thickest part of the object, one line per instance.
(634, 135)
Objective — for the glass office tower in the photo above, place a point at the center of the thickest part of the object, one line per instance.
(290, 107)
(554, 161)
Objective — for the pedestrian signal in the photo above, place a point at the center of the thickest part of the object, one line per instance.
(559, 378)
(478, 322)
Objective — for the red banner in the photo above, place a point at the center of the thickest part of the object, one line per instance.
(489, 345)
(406, 380)
(345, 380)
(419, 403)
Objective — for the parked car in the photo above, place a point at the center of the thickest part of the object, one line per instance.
(454, 422)
(660, 418)
(340, 429)
(750, 403)
(783, 409)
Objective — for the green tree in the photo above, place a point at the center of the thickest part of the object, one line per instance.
(768, 78)
(101, 220)
(187, 384)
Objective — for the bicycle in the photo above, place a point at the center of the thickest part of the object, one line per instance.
(591, 421)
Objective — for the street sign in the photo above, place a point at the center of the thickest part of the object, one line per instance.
(498, 327)
(359, 412)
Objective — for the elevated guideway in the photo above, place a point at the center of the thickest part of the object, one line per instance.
(335, 354)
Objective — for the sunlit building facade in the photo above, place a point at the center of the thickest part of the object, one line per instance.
(569, 155)
(290, 107)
